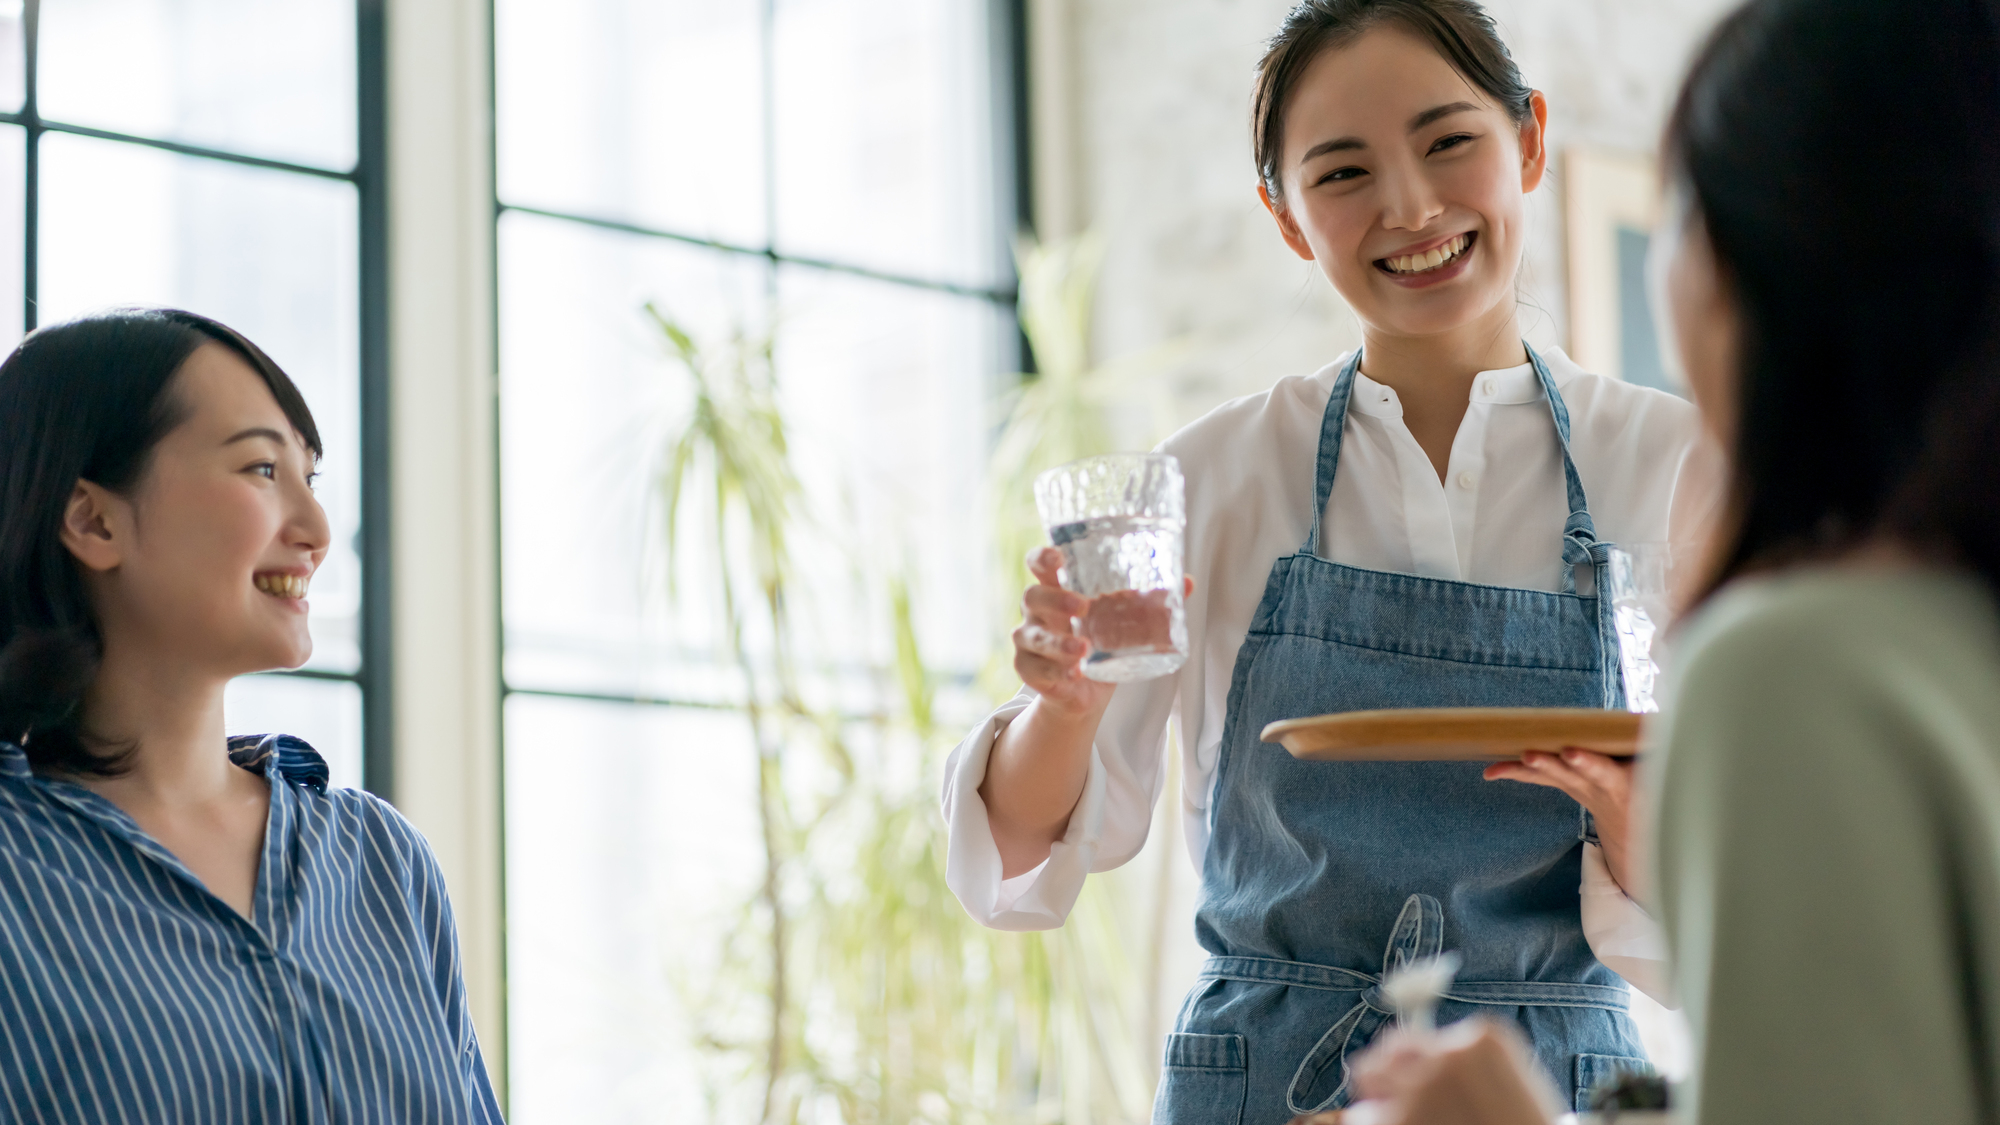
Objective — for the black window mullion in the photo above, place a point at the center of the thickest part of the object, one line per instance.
(31, 121)
(371, 182)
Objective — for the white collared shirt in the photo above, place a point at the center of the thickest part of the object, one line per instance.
(1496, 518)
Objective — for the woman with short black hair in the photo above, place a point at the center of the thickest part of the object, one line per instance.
(192, 928)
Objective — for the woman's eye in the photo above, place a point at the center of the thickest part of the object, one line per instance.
(1340, 174)
(312, 480)
(266, 469)
(1452, 141)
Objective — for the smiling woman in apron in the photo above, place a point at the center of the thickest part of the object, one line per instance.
(1420, 523)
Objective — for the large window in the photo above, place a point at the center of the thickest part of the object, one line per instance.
(838, 174)
(223, 156)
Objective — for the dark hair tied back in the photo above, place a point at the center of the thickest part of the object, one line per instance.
(87, 400)
(1460, 31)
(1843, 157)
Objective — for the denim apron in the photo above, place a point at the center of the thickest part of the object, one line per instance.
(1322, 876)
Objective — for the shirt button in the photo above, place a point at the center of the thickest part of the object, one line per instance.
(1465, 480)
(1489, 388)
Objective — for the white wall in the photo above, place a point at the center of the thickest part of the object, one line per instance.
(1141, 123)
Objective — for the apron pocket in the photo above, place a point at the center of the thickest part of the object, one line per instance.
(1594, 1071)
(1205, 1080)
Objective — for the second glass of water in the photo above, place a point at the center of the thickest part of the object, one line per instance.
(1641, 604)
(1120, 522)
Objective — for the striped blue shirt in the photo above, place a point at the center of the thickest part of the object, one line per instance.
(129, 993)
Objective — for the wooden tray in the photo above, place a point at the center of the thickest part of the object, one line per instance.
(1455, 734)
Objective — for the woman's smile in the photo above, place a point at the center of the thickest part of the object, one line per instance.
(285, 585)
(1430, 263)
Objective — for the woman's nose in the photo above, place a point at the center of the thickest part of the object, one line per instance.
(1409, 203)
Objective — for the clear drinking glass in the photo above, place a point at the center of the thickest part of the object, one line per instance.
(1641, 606)
(1120, 522)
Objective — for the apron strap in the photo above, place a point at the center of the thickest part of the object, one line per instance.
(1417, 935)
(1332, 429)
(1580, 545)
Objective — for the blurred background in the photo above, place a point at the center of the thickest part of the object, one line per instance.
(682, 367)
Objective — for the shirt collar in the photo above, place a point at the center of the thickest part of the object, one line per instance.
(1506, 387)
(280, 755)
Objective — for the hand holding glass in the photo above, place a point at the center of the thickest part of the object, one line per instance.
(1120, 522)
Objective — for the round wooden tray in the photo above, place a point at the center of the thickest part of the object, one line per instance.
(1455, 734)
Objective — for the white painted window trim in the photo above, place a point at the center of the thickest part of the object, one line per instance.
(445, 547)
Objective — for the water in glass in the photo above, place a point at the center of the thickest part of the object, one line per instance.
(1120, 524)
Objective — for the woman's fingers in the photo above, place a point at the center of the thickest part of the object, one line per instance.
(1062, 647)
(1473, 1073)
(1540, 768)
(1045, 563)
(1607, 773)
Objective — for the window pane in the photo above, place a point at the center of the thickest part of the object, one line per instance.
(271, 254)
(326, 713)
(13, 218)
(887, 388)
(631, 848)
(271, 79)
(13, 86)
(884, 137)
(648, 111)
(587, 400)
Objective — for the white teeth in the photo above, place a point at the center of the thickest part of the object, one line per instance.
(282, 585)
(1430, 259)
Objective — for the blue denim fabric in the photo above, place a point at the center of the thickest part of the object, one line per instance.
(1322, 876)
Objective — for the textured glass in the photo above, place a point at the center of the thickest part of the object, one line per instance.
(632, 848)
(271, 78)
(326, 713)
(646, 111)
(1120, 521)
(271, 254)
(588, 401)
(1639, 575)
(884, 137)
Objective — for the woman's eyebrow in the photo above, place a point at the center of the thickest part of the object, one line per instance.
(1438, 111)
(1342, 144)
(257, 432)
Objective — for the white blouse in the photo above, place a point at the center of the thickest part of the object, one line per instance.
(1496, 518)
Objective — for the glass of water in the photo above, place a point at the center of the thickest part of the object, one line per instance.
(1120, 522)
(1641, 606)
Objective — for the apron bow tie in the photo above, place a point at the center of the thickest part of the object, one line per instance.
(1417, 935)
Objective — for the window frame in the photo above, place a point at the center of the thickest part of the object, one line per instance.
(1007, 24)
(369, 176)
(1014, 175)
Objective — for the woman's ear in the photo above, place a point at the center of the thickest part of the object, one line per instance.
(1287, 226)
(92, 525)
(1534, 142)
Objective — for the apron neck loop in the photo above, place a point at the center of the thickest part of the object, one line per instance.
(1580, 545)
(1332, 428)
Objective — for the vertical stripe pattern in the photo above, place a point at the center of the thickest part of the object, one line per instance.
(128, 992)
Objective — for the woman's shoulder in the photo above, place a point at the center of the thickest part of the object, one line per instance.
(295, 762)
(1245, 425)
(1618, 413)
(1848, 638)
